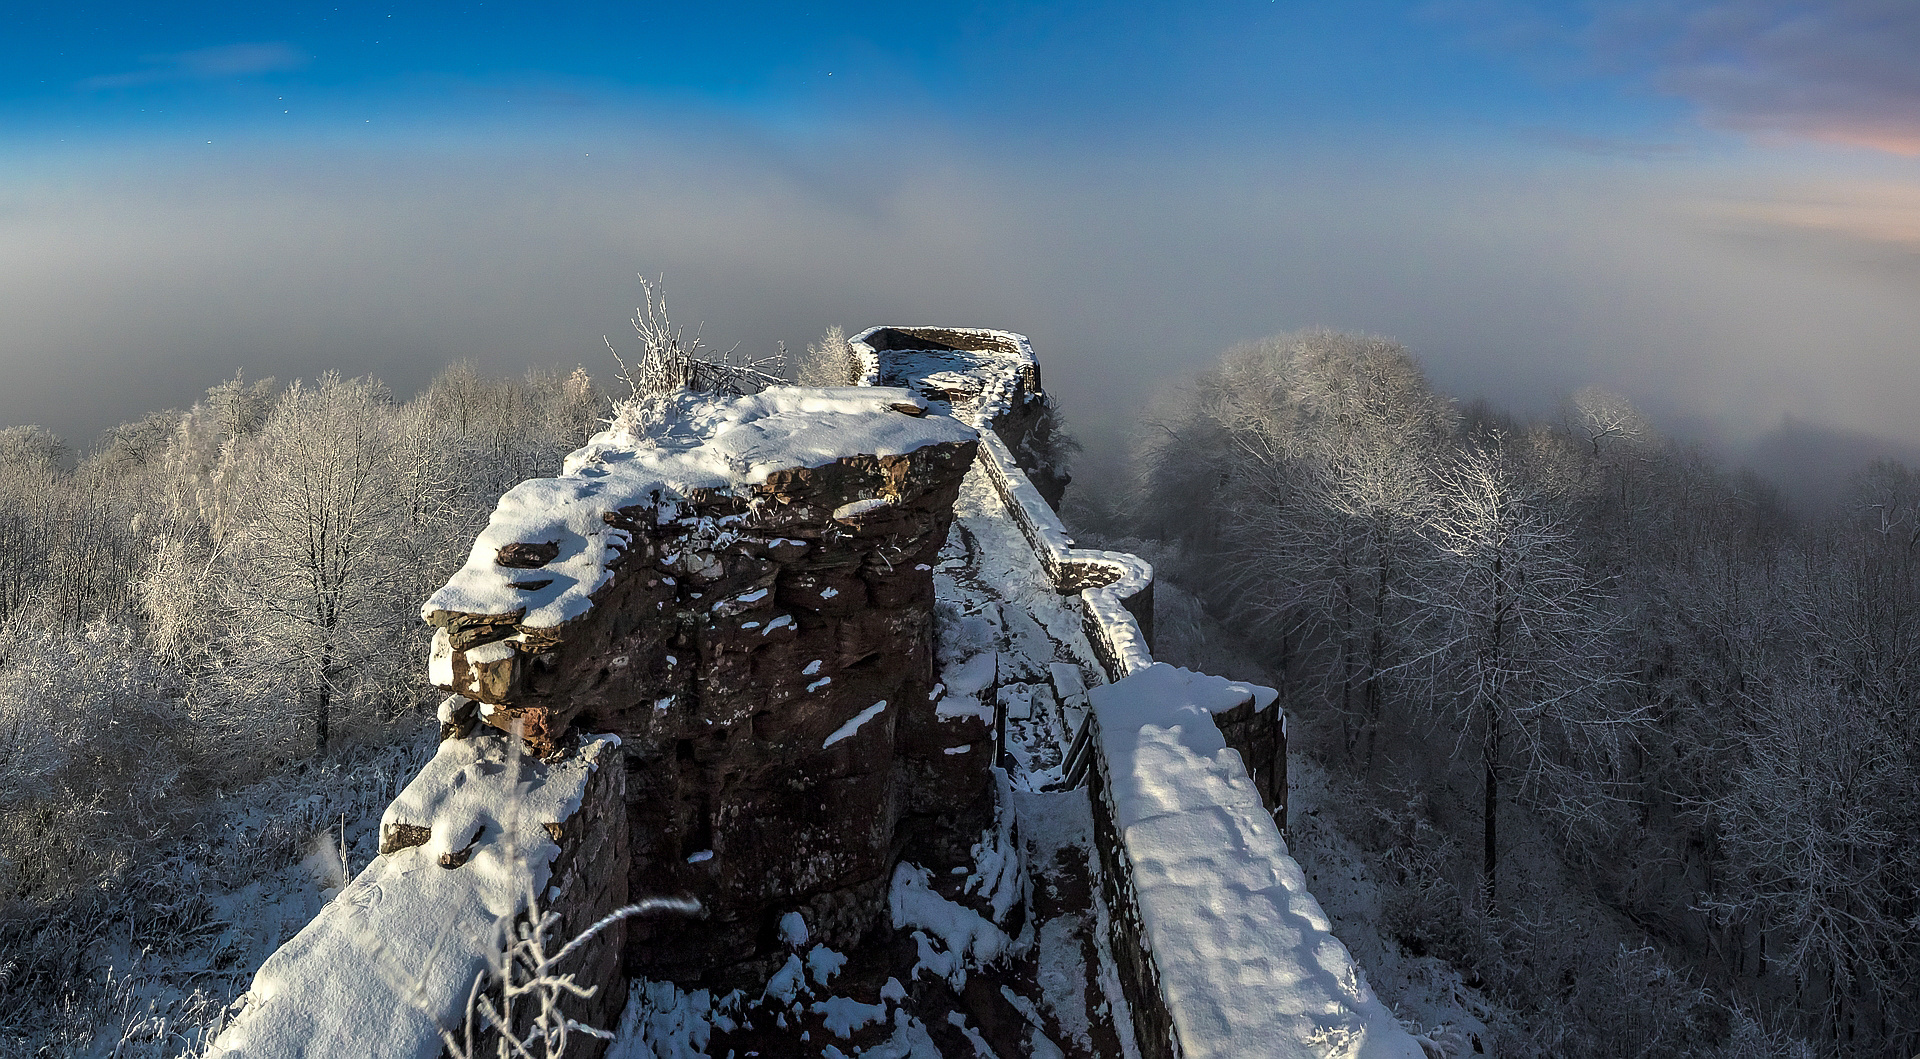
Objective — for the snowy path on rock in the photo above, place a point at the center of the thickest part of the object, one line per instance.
(989, 574)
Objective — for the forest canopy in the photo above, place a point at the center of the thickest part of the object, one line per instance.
(1709, 702)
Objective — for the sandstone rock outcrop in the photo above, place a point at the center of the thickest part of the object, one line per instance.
(744, 596)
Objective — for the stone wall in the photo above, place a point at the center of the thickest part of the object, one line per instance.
(1223, 952)
(590, 880)
(990, 379)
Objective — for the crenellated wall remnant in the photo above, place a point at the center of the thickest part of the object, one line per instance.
(743, 594)
(989, 379)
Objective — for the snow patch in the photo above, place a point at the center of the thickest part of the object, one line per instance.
(846, 730)
(440, 661)
(793, 929)
(823, 963)
(487, 654)
(844, 1015)
(965, 937)
(860, 508)
(787, 982)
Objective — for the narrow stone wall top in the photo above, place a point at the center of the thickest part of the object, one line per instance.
(986, 376)
(1245, 959)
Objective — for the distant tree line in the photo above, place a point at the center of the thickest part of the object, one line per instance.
(1710, 701)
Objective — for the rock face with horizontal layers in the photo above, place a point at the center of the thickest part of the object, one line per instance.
(742, 592)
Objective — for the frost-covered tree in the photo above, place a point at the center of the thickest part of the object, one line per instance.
(315, 512)
(1813, 825)
(1521, 638)
(1303, 461)
(30, 483)
(1600, 417)
(830, 361)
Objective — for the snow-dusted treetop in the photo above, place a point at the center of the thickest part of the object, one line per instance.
(692, 442)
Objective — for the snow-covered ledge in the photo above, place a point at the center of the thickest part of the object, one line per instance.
(1242, 959)
(392, 958)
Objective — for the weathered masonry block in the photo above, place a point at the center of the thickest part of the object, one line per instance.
(742, 592)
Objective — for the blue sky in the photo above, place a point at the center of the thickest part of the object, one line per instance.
(1094, 71)
(1713, 207)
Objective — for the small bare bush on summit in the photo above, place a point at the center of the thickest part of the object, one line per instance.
(670, 362)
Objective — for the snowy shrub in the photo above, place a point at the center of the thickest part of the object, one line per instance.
(89, 750)
(830, 362)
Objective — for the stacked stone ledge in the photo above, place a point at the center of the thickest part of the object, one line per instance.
(735, 641)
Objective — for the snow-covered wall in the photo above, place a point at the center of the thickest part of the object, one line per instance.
(991, 381)
(1239, 953)
(477, 837)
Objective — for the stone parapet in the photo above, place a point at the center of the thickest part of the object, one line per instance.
(991, 380)
(1222, 950)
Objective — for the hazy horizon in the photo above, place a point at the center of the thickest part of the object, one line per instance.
(1714, 212)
